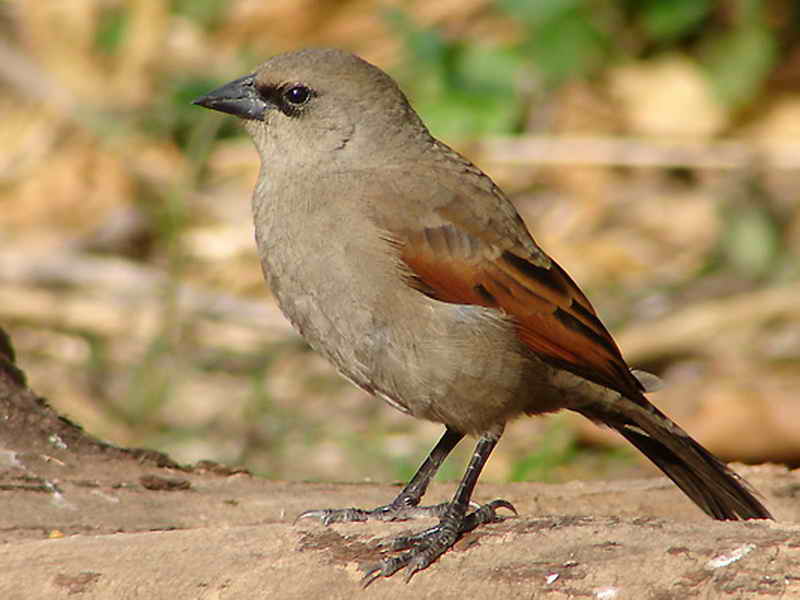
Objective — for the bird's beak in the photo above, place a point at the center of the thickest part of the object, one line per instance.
(239, 98)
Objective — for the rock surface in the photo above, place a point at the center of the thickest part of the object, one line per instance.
(83, 519)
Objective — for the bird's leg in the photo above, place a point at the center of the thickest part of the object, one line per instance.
(406, 505)
(426, 546)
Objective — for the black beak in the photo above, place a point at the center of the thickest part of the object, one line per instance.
(239, 98)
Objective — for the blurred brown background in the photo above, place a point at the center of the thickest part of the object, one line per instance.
(653, 148)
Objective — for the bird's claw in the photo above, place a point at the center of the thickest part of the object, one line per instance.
(424, 547)
(388, 512)
(327, 516)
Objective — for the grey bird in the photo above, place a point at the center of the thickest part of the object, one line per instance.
(405, 265)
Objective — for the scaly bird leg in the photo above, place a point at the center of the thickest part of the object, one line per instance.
(426, 546)
(406, 505)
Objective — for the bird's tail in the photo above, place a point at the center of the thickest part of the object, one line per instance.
(714, 487)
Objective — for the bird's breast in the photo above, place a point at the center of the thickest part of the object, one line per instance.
(339, 281)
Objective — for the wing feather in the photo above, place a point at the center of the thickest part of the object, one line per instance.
(553, 317)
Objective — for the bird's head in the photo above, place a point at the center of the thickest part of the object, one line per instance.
(318, 105)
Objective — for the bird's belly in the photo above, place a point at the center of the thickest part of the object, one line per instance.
(458, 365)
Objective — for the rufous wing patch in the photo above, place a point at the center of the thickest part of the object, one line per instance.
(553, 317)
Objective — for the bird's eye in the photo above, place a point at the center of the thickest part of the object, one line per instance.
(297, 95)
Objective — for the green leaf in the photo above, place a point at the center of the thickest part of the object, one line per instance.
(752, 240)
(460, 89)
(739, 62)
(667, 20)
(557, 448)
(570, 46)
(112, 26)
(539, 13)
(426, 44)
(489, 68)
(209, 14)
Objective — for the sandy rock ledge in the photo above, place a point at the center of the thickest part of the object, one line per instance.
(86, 520)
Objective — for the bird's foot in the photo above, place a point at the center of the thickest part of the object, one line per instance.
(401, 509)
(425, 547)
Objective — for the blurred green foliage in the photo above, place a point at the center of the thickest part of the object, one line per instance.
(740, 60)
(554, 449)
(467, 87)
(752, 244)
(559, 457)
(665, 22)
(563, 38)
(461, 88)
(111, 30)
(208, 13)
(174, 116)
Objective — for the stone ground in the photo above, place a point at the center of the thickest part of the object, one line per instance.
(86, 520)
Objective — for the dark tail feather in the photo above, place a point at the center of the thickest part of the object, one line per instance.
(715, 488)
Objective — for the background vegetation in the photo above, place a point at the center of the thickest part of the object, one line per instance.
(652, 147)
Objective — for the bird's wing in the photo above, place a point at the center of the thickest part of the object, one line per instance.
(453, 257)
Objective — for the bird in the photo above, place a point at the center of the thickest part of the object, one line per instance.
(408, 268)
